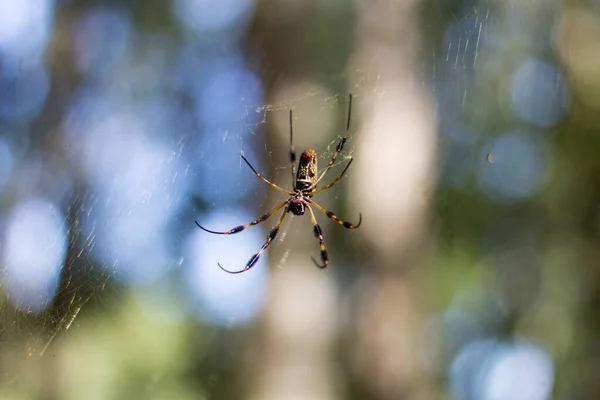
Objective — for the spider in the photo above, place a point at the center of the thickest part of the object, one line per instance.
(300, 199)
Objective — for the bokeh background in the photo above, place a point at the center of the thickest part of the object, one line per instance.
(475, 273)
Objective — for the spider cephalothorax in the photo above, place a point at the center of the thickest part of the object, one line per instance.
(300, 200)
(298, 203)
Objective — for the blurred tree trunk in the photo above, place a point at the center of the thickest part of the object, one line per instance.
(394, 144)
(299, 63)
(393, 179)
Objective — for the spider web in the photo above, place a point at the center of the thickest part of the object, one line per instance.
(88, 280)
(71, 162)
(136, 138)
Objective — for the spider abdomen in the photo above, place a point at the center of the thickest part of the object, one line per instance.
(307, 170)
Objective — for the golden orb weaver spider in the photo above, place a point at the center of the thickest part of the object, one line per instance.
(305, 187)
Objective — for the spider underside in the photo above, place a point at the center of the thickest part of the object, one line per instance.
(305, 187)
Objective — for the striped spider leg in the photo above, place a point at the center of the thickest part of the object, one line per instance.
(305, 181)
(339, 147)
(292, 152)
(272, 234)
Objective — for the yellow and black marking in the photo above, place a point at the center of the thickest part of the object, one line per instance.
(305, 183)
(262, 178)
(340, 145)
(270, 237)
(336, 180)
(307, 171)
(335, 218)
(292, 151)
(319, 235)
(248, 225)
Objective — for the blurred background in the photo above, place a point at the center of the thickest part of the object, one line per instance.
(474, 275)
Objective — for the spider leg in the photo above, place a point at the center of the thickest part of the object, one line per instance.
(242, 227)
(340, 176)
(319, 234)
(335, 218)
(262, 178)
(292, 153)
(340, 145)
(254, 258)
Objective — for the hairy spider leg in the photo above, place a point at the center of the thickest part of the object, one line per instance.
(340, 176)
(254, 258)
(340, 145)
(242, 227)
(262, 178)
(319, 234)
(292, 152)
(335, 218)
